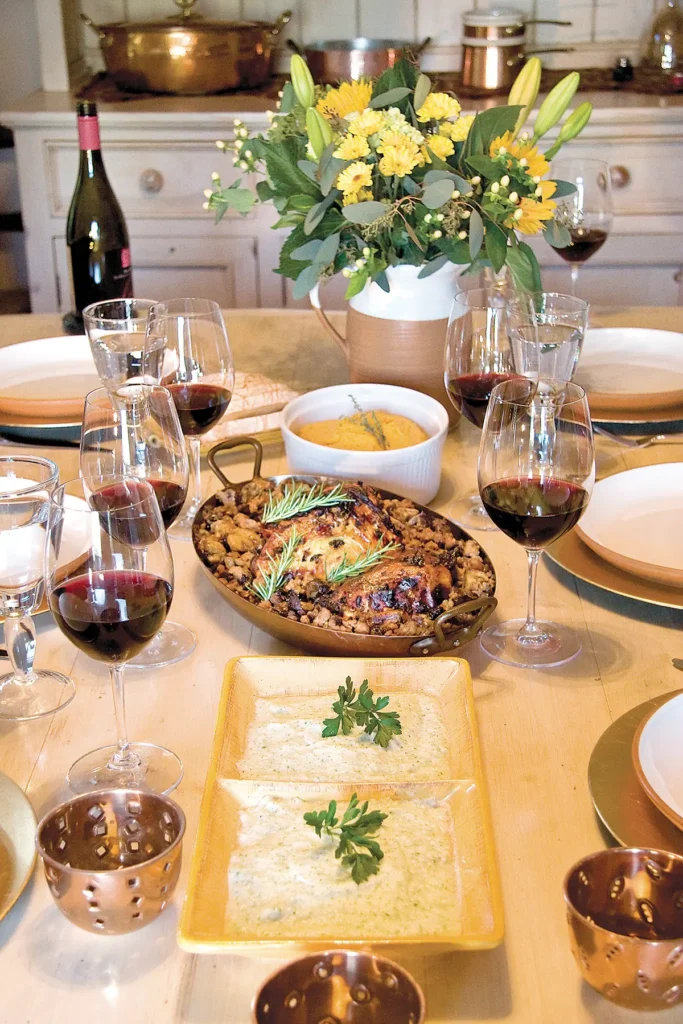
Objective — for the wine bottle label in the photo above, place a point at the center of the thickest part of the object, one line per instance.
(88, 133)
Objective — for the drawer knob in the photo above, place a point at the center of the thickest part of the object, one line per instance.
(620, 176)
(151, 180)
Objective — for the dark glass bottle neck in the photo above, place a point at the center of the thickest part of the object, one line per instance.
(91, 163)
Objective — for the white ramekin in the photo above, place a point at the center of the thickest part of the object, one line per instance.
(414, 472)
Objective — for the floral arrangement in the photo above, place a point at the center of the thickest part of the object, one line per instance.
(372, 174)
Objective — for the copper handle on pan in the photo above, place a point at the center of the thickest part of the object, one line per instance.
(418, 50)
(276, 28)
(96, 28)
(442, 642)
(235, 442)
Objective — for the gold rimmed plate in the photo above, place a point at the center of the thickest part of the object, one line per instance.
(17, 847)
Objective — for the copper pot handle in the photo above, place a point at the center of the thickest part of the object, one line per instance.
(276, 28)
(235, 442)
(420, 48)
(442, 642)
(314, 299)
(96, 28)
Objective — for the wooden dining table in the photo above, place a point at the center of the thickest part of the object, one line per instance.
(537, 731)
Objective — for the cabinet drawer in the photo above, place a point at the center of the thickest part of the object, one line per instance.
(150, 179)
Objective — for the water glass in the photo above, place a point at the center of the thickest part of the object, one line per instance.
(116, 331)
(546, 332)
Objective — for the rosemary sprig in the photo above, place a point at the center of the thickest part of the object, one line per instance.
(373, 427)
(346, 570)
(365, 711)
(355, 848)
(300, 498)
(273, 580)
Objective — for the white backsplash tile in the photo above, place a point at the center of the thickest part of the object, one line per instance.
(321, 19)
(398, 21)
(441, 21)
(622, 19)
(579, 12)
(102, 11)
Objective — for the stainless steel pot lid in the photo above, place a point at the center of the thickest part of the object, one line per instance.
(496, 16)
(360, 43)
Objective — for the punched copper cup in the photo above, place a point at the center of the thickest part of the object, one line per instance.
(112, 857)
(625, 916)
(339, 986)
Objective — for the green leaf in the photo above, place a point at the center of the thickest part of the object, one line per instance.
(438, 163)
(524, 268)
(364, 213)
(458, 251)
(306, 280)
(492, 123)
(389, 98)
(557, 235)
(403, 73)
(317, 212)
(264, 191)
(476, 233)
(382, 281)
(331, 727)
(288, 99)
(333, 167)
(410, 187)
(433, 265)
(486, 166)
(437, 193)
(496, 242)
(288, 220)
(356, 285)
(309, 169)
(564, 188)
(301, 203)
(282, 163)
(422, 91)
(327, 251)
(307, 251)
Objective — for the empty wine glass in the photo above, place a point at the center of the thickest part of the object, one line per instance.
(26, 483)
(477, 357)
(198, 371)
(546, 332)
(136, 434)
(116, 332)
(587, 213)
(536, 474)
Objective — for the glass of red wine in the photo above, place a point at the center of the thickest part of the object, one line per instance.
(135, 433)
(198, 371)
(477, 357)
(111, 608)
(587, 213)
(536, 475)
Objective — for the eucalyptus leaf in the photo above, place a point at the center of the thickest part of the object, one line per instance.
(307, 251)
(476, 233)
(422, 91)
(496, 243)
(304, 282)
(457, 250)
(364, 213)
(288, 99)
(557, 235)
(264, 191)
(564, 188)
(439, 175)
(382, 280)
(437, 193)
(330, 173)
(309, 168)
(389, 98)
(317, 212)
(327, 251)
(433, 265)
(437, 162)
(409, 186)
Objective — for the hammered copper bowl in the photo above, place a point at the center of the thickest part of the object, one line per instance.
(339, 987)
(625, 916)
(112, 857)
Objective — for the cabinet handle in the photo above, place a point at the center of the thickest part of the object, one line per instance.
(620, 176)
(678, 276)
(151, 180)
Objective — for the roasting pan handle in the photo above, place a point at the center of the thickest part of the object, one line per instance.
(442, 642)
(235, 442)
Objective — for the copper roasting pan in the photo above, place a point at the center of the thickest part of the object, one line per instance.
(447, 636)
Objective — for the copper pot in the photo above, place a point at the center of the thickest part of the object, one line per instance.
(337, 60)
(186, 54)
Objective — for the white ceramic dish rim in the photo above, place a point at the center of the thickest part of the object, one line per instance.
(357, 390)
(649, 767)
(26, 355)
(598, 336)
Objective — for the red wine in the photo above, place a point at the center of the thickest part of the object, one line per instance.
(534, 512)
(585, 242)
(112, 614)
(170, 495)
(471, 393)
(199, 406)
(96, 232)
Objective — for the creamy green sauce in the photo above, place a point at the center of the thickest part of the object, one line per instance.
(284, 882)
(284, 741)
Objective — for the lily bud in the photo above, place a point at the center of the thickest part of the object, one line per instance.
(302, 81)
(555, 104)
(525, 88)
(574, 124)
(319, 131)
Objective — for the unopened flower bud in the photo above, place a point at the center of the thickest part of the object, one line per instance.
(536, 179)
(360, 263)
(215, 176)
(428, 218)
(539, 191)
(220, 144)
(518, 214)
(466, 214)
(513, 197)
(495, 188)
(247, 153)
(236, 121)
(468, 195)
(367, 251)
(505, 180)
(455, 194)
(476, 180)
(244, 165)
(346, 272)
(524, 162)
(502, 151)
(238, 143)
(437, 234)
(462, 235)
(208, 193)
(205, 206)
(439, 217)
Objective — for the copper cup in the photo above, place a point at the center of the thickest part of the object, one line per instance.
(625, 916)
(339, 986)
(112, 857)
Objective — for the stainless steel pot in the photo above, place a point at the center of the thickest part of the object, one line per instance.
(336, 60)
(186, 54)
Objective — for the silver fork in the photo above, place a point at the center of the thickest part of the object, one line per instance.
(636, 442)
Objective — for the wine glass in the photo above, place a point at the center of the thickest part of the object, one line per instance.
(587, 213)
(135, 433)
(26, 483)
(546, 331)
(198, 371)
(477, 357)
(116, 332)
(110, 608)
(536, 475)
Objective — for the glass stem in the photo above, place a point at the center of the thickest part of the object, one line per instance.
(20, 639)
(194, 450)
(123, 756)
(530, 630)
(575, 267)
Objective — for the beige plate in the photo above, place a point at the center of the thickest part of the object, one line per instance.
(662, 418)
(577, 558)
(621, 803)
(17, 846)
(656, 760)
(205, 924)
(634, 369)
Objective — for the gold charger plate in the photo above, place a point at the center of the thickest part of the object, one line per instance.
(577, 558)
(17, 845)
(638, 417)
(621, 803)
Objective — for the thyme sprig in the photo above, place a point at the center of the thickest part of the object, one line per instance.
(356, 849)
(373, 426)
(298, 498)
(364, 711)
(346, 570)
(274, 578)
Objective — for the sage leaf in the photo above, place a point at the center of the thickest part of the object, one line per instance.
(476, 233)
(387, 99)
(437, 193)
(364, 213)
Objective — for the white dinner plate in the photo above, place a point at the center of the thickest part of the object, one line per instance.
(17, 847)
(658, 758)
(631, 368)
(49, 377)
(634, 521)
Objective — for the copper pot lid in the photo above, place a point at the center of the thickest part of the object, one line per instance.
(188, 19)
(360, 43)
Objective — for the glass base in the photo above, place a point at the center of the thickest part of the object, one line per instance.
(147, 767)
(48, 692)
(476, 517)
(172, 643)
(555, 645)
(182, 528)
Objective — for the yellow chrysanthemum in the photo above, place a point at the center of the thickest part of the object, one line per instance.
(349, 98)
(367, 123)
(533, 215)
(352, 147)
(536, 163)
(457, 130)
(361, 196)
(354, 177)
(399, 159)
(437, 107)
(548, 188)
(439, 145)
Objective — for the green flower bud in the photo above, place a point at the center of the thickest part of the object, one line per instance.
(302, 81)
(555, 104)
(319, 131)
(572, 127)
(525, 88)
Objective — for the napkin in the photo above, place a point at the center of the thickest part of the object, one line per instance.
(256, 407)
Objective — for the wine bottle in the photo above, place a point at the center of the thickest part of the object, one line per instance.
(96, 232)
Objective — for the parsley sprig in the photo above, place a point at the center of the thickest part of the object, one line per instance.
(364, 711)
(356, 849)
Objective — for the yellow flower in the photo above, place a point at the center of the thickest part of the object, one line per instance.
(352, 147)
(437, 107)
(533, 215)
(536, 163)
(548, 188)
(357, 197)
(439, 145)
(367, 123)
(458, 130)
(349, 98)
(400, 158)
(354, 177)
